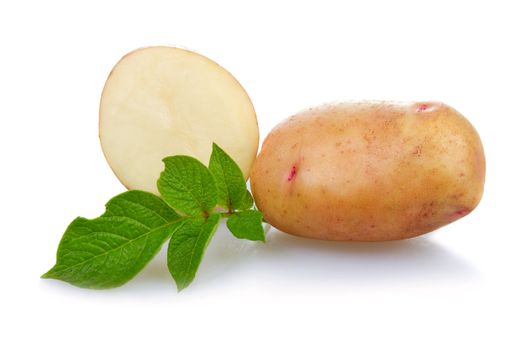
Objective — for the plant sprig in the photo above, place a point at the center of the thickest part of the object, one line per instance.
(110, 250)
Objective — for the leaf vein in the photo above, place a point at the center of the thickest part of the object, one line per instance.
(120, 247)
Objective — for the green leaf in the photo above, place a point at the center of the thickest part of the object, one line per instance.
(110, 250)
(247, 202)
(187, 185)
(187, 247)
(247, 225)
(231, 187)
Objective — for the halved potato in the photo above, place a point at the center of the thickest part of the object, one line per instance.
(163, 101)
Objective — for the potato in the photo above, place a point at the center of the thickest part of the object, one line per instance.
(369, 171)
(163, 101)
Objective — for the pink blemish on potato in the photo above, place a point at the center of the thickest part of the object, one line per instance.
(425, 107)
(459, 213)
(292, 174)
(422, 107)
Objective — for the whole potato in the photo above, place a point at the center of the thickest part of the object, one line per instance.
(369, 171)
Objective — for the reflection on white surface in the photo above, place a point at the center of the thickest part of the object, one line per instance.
(293, 258)
(295, 261)
(292, 262)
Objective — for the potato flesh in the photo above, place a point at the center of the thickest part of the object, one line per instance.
(163, 101)
(369, 171)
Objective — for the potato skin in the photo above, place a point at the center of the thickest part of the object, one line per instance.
(369, 171)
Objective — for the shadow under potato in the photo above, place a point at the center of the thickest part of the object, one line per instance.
(293, 260)
(407, 261)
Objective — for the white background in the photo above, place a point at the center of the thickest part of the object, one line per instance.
(461, 287)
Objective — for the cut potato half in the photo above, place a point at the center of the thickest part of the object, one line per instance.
(163, 101)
